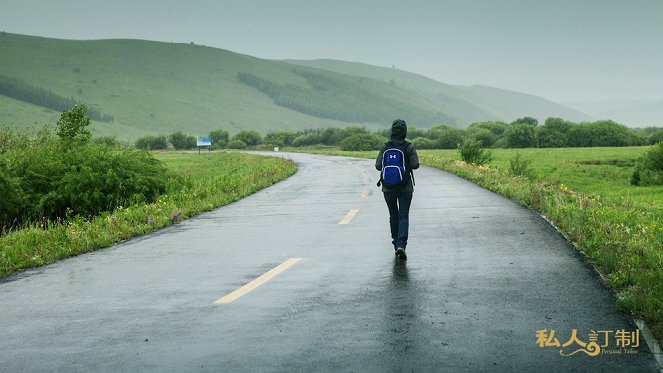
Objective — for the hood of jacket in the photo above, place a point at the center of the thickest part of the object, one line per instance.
(398, 130)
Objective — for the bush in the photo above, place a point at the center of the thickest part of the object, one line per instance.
(98, 178)
(362, 141)
(600, 133)
(423, 143)
(529, 121)
(446, 137)
(486, 137)
(519, 166)
(655, 137)
(219, 139)
(549, 137)
(649, 169)
(497, 128)
(107, 140)
(308, 139)
(471, 152)
(279, 138)
(521, 135)
(181, 141)
(45, 179)
(152, 143)
(72, 126)
(250, 138)
(236, 144)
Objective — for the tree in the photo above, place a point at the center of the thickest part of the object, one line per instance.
(600, 133)
(526, 120)
(362, 141)
(152, 142)
(498, 128)
(219, 138)
(182, 141)
(423, 143)
(649, 169)
(279, 138)
(445, 137)
(236, 144)
(655, 137)
(549, 137)
(520, 136)
(558, 124)
(486, 137)
(250, 138)
(72, 126)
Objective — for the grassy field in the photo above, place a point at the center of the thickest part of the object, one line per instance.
(202, 183)
(605, 172)
(585, 192)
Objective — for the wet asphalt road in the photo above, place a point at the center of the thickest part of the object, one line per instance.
(483, 275)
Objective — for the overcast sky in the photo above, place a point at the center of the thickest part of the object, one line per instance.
(560, 49)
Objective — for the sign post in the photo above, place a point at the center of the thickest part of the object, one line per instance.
(202, 142)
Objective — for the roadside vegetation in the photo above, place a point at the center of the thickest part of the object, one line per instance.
(588, 195)
(64, 195)
(522, 133)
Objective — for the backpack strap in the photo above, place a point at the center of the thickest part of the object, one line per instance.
(386, 146)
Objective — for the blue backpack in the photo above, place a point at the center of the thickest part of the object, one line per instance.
(394, 172)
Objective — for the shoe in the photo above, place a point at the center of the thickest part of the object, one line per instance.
(400, 253)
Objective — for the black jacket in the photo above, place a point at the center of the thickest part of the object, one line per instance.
(412, 164)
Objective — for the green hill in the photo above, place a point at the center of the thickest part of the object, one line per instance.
(154, 88)
(469, 104)
(142, 87)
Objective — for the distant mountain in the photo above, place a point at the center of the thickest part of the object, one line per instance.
(142, 87)
(468, 103)
(630, 113)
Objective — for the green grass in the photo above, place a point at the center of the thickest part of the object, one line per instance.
(617, 226)
(204, 181)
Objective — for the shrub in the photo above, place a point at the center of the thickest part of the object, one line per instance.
(72, 126)
(529, 121)
(279, 138)
(486, 137)
(362, 141)
(519, 166)
(423, 143)
(111, 141)
(549, 137)
(600, 133)
(152, 143)
(308, 139)
(446, 137)
(497, 128)
(98, 178)
(236, 144)
(43, 179)
(655, 137)
(182, 141)
(649, 169)
(472, 152)
(250, 138)
(521, 135)
(219, 139)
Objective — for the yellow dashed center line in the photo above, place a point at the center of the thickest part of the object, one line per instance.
(258, 281)
(365, 193)
(349, 216)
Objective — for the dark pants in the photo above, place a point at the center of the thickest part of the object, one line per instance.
(399, 216)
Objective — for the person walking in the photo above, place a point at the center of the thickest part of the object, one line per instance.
(396, 160)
